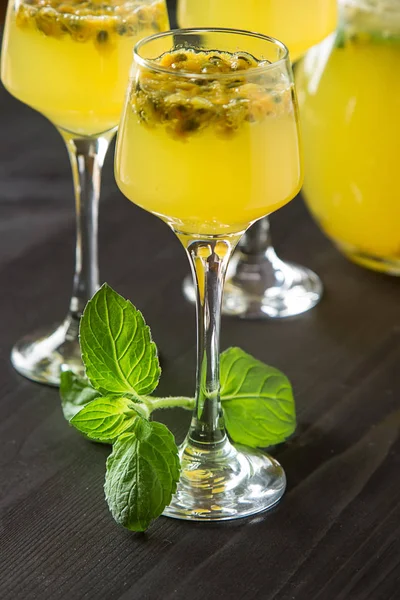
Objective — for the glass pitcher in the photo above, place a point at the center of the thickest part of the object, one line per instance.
(349, 93)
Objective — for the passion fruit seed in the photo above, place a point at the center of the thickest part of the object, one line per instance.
(102, 36)
(188, 105)
(80, 19)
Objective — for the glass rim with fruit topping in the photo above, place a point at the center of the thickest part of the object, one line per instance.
(262, 66)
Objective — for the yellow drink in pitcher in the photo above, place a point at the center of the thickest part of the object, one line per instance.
(209, 156)
(349, 94)
(299, 24)
(70, 59)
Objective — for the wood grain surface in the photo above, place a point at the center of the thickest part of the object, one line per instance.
(335, 535)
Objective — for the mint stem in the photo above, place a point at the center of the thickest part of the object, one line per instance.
(170, 402)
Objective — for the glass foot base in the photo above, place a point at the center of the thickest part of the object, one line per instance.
(390, 266)
(262, 287)
(225, 483)
(42, 355)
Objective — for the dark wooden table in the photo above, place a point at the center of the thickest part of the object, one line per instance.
(335, 535)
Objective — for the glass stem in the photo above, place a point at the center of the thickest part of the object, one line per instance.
(257, 238)
(87, 158)
(209, 259)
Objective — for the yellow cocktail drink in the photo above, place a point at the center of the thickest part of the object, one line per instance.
(300, 24)
(349, 92)
(70, 59)
(209, 155)
(209, 143)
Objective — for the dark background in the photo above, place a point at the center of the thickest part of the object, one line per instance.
(335, 535)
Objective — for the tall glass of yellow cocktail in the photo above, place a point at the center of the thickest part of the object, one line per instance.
(209, 142)
(259, 284)
(69, 60)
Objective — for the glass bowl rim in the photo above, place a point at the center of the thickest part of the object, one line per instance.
(151, 65)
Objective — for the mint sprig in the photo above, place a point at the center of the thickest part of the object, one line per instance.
(105, 419)
(113, 405)
(257, 400)
(75, 394)
(142, 473)
(117, 350)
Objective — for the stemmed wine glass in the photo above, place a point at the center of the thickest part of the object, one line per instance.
(69, 60)
(209, 143)
(259, 284)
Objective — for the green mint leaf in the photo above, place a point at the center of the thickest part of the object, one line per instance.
(117, 350)
(75, 394)
(104, 419)
(142, 473)
(257, 400)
